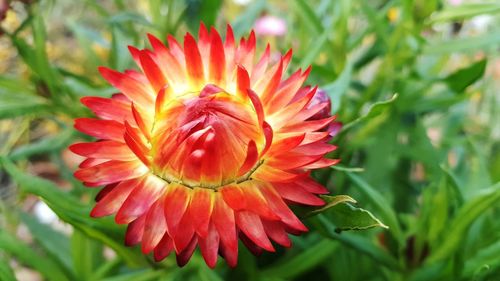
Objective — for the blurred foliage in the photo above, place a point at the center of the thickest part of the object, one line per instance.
(414, 82)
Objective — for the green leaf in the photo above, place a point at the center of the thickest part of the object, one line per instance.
(484, 41)
(289, 267)
(331, 201)
(381, 206)
(317, 46)
(347, 217)
(16, 99)
(245, 21)
(26, 255)
(141, 275)
(465, 11)
(464, 218)
(359, 243)
(339, 87)
(53, 242)
(205, 11)
(129, 16)
(347, 169)
(72, 211)
(45, 145)
(375, 110)
(43, 67)
(87, 255)
(308, 15)
(6, 273)
(465, 77)
(486, 258)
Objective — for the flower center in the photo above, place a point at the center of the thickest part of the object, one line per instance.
(202, 141)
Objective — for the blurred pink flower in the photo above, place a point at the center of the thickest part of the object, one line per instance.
(270, 25)
(4, 7)
(455, 2)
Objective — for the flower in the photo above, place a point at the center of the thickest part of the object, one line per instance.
(270, 25)
(203, 146)
(321, 97)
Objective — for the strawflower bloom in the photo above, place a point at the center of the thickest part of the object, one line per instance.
(203, 146)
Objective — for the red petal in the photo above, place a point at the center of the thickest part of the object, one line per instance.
(261, 66)
(90, 162)
(200, 209)
(312, 186)
(268, 134)
(257, 105)
(270, 174)
(255, 201)
(184, 256)
(289, 161)
(210, 89)
(145, 129)
(155, 226)
(176, 50)
(152, 71)
(135, 230)
(223, 220)
(209, 246)
(217, 59)
(295, 193)
(272, 84)
(230, 255)
(111, 172)
(251, 225)
(287, 90)
(184, 234)
(164, 248)
(136, 145)
(243, 82)
(132, 88)
(140, 199)
(101, 129)
(250, 160)
(234, 197)
(194, 64)
(277, 233)
(280, 208)
(176, 202)
(112, 201)
(103, 149)
(109, 109)
(168, 64)
(229, 49)
(284, 145)
(308, 126)
(315, 149)
(105, 191)
(136, 53)
(322, 163)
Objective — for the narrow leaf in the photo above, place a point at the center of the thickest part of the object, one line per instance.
(465, 77)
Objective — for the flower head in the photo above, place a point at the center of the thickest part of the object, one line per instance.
(203, 146)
